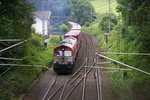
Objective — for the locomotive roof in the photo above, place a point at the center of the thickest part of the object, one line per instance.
(75, 25)
(75, 29)
(72, 33)
(68, 42)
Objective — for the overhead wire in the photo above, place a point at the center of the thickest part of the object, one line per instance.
(140, 54)
(10, 40)
(12, 46)
(4, 58)
(134, 68)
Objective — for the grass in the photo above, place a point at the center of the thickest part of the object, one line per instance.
(127, 84)
(102, 6)
(100, 3)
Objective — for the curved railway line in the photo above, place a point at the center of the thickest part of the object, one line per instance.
(77, 80)
(83, 84)
(87, 82)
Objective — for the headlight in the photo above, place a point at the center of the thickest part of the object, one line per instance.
(69, 60)
(56, 61)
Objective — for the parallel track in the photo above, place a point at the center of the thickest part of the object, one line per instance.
(75, 86)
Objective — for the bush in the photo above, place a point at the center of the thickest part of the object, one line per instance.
(20, 78)
(64, 28)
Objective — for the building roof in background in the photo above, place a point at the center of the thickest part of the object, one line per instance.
(42, 14)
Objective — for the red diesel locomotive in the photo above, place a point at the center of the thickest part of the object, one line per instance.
(65, 53)
(75, 30)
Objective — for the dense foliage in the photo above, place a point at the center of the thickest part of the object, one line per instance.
(64, 28)
(136, 34)
(18, 79)
(15, 19)
(139, 15)
(15, 23)
(80, 11)
(136, 24)
(104, 23)
(131, 34)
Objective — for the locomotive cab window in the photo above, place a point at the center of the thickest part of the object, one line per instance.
(67, 53)
(58, 53)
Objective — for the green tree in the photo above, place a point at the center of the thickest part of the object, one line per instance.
(64, 27)
(104, 24)
(81, 11)
(15, 23)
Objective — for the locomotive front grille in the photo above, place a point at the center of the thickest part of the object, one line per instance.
(64, 60)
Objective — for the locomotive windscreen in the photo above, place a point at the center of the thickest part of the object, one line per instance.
(58, 53)
(67, 53)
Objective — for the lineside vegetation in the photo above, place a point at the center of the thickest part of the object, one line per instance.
(15, 23)
(129, 34)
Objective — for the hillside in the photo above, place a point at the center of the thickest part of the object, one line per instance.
(102, 6)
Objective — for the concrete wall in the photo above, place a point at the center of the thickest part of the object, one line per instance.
(39, 26)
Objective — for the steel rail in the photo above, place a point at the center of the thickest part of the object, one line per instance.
(104, 63)
(112, 68)
(68, 81)
(97, 84)
(100, 84)
(142, 54)
(64, 85)
(52, 84)
(66, 97)
(139, 70)
(75, 79)
(79, 82)
(84, 83)
(85, 69)
(12, 46)
(93, 51)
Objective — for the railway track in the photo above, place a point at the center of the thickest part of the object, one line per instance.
(78, 79)
(89, 59)
(92, 80)
(82, 84)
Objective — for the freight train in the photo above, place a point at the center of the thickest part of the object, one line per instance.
(66, 51)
